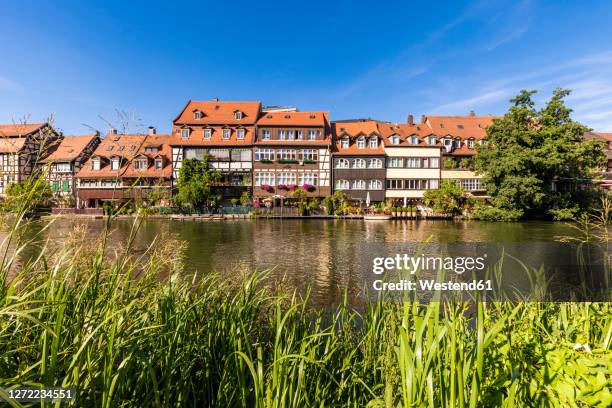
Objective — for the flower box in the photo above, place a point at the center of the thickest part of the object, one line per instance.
(282, 187)
(265, 161)
(287, 161)
(308, 187)
(266, 187)
(291, 187)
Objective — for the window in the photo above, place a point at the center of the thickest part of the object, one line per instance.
(395, 162)
(433, 184)
(264, 154)
(240, 134)
(344, 143)
(207, 133)
(457, 142)
(342, 164)
(281, 134)
(434, 162)
(373, 142)
(432, 140)
(55, 186)
(151, 149)
(471, 184)
(471, 143)
(262, 178)
(308, 178)
(290, 134)
(63, 167)
(395, 184)
(286, 154)
(448, 142)
(65, 186)
(300, 134)
(310, 154)
(312, 134)
(375, 164)
(227, 133)
(115, 163)
(359, 185)
(219, 154)
(359, 164)
(158, 163)
(238, 115)
(121, 148)
(95, 164)
(361, 142)
(265, 135)
(109, 148)
(375, 185)
(197, 115)
(395, 139)
(185, 133)
(287, 178)
(241, 155)
(414, 140)
(413, 162)
(342, 184)
(140, 164)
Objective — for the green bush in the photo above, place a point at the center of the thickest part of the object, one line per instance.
(564, 214)
(496, 214)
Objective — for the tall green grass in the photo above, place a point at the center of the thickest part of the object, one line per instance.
(126, 330)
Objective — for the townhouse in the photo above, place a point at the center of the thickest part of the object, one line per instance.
(292, 150)
(66, 161)
(605, 173)
(222, 131)
(413, 160)
(459, 135)
(359, 160)
(126, 167)
(22, 149)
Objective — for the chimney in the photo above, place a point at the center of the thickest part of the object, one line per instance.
(423, 118)
(215, 99)
(410, 120)
(472, 113)
(112, 131)
(152, 130)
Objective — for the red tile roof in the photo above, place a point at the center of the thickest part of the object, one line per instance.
(18, 130)
(464, 127)
(196, 137)
(153, 141)
(219, 113)
(354, 130)
(70, 147)
(11, 145)
(293, 119)
(599, 136)
(405, 132)
(125, 146)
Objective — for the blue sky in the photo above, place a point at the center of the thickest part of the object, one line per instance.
(83, 62)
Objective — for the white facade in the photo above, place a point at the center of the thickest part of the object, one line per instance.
(412, 170)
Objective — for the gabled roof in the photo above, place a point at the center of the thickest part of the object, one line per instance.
(293, 119)
(11, 145)
(71, 147)
(354, 130)
(405, 132)
(126, 146)
(20, 130)
(217, 113)
(460, 126)
(196, 138)
(163, 143)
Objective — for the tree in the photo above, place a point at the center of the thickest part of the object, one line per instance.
(28, 196)
(534, 160)
(446, 199)
(194, 183)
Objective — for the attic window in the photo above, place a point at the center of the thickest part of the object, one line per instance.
(312, 116)
(197, 115)
(395, 140)
(471, 143)
(269, 116)
(115, 163)
(115, 138)
(432, 140)
(217, 107)
(414, 140)
(109, 148)
(158, 163)
(441, 125)
(207, 133)
(238, 115)
(185, 133)
(460, 126)
(121, 148)
(287, 116)
(345, 143)
(151, 149)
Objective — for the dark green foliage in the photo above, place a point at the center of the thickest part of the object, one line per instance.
(194, 183)
(446, 199)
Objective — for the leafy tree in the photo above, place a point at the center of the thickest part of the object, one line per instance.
(245, 199)
(28, 196)
(194, 183)
(446, 199)
(536, 160)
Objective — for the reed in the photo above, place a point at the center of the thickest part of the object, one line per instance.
(126, 330)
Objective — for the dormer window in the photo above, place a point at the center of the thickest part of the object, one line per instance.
(471, 143)
(185, 133)
(344, 143)
(151, 149)
(197, 115)
(121, 148)
(95, 164)
(227, 133)
(281, 135)
(395, 139)
(361, 142)
(457, 142)
(300, 134)
(240, 134)
(414, 140)
(432, 140)
(237, 115)
(312, 116)
(140, 164)
(373, 142)
(265, 135)
(109, 148)
(290, 134)
(115, 163)
(159, 163)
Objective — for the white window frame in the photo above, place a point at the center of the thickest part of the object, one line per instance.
(264, 154)
(265, 134)
(312, 134)
(227, 134)
(308, 178)
(373, 142)
(414, 140)
(342, 184)
(395, 140)
(281, 134)
(238, 115)
(343, 164)
(185, 132)
(375, 185)
(470, 143)
(375, 164)
(361, 144)
(395, 162)
(432, 140)
(115, 163)
(359, 164)
(159, 164)
(359, 185)
(207, 133)
(286, 178)
(262, 177)
(96, 164)
(310, 154)
(240, 134)
(344, 143)
(197, 115)
(64, 167)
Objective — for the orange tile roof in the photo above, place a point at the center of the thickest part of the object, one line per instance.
(159, 141)
(599, 135)
(464, 150)
(125, 146)
(405, 132)
(293, 119)
(219, 113)
(18, 130)
(464, 127)
(11, 145)
(70, 147)
(196, 137)
(353, 130)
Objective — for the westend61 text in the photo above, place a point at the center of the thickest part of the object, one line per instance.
(432, 285)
